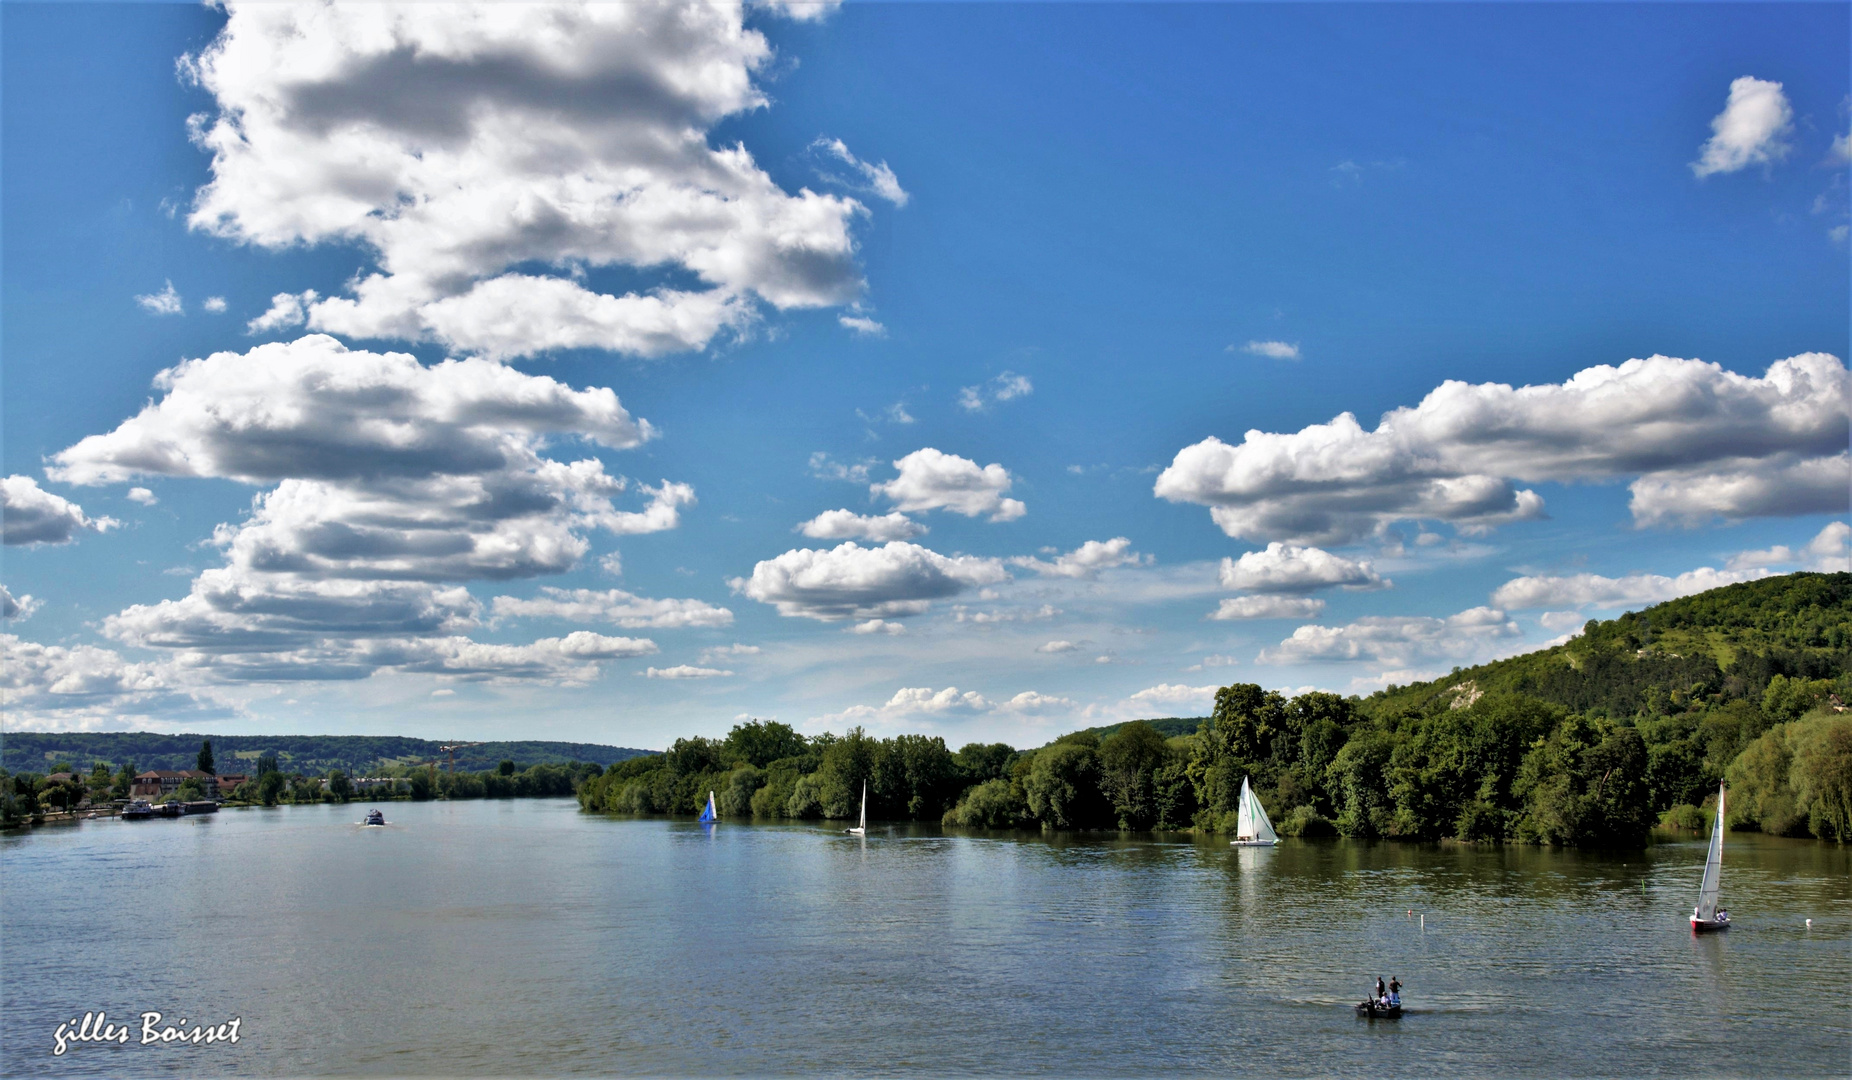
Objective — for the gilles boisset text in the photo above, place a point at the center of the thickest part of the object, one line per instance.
(95, 1027)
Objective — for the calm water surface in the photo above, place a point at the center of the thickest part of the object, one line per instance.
(525, 938)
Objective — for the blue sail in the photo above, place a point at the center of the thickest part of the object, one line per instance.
(708, 817)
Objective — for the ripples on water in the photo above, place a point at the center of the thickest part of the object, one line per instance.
(525, 938)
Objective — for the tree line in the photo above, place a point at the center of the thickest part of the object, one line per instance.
(26, 797)
(1631, 725)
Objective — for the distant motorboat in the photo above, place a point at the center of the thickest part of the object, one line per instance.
(138, 810)
(1376, 1009)
(862, 829)
(1252, 829)
(709, 815)
(374, 817)
(1707, 917)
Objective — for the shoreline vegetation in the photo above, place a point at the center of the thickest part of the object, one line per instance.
(1628, 726)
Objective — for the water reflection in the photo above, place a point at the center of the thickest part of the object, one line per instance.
(522, 938)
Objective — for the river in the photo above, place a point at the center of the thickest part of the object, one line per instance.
(503, 938)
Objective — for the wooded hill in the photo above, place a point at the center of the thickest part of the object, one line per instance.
(1727, 643)
(1595, 741)
(355, 755)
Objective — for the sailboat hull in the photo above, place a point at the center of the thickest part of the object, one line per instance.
(1709, 926)
(1252, 843)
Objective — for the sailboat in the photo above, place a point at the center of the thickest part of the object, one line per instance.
(1252, 829)
(1707, 916)
(708, 815)
(862, 829)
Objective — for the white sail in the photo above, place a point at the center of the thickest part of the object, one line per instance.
(1251, 822)
(1713, 867)
(861, 829)
(1263, 828)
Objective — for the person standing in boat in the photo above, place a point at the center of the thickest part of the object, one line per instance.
(1381, 994)
(1395, 990)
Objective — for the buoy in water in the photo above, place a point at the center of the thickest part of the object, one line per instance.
(1810, 924)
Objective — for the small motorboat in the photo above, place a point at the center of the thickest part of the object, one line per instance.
(1379, 1010)
(374, 817)
(138, 810)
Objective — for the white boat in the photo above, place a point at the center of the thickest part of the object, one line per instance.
(375, 818)
(862, 829)
(1252, 829)
(1707, 916)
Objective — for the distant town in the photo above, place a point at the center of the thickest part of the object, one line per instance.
(68, 794)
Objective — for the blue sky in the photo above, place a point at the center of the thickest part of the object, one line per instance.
(986, 279)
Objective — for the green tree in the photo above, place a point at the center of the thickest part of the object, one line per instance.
(340, 786)
(270, 784)
(99, 782)
(189, 790)
(506, 768)
(1129, 761)
(1063, 787)
(1822, 774)
(993, 804)
(125, 780)
(205, 757)
(985, 761)
(735, 799)
(761, 742)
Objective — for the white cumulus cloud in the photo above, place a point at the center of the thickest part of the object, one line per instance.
(613, 606)
(1005, 387)
(1175, 694)
(1396, 639)
(1268, 607)
(1274, 350)
(1290, 568)
(1701, 441)
(687, 671)
(486, 153)
(1827, 552)
(286, 311)
(1087, 560)
(165, 302)
(1593, 590)
(17, 609)
(31, 515)
(1752, 129)
(1057, 647)
(932, 480)
(853, 582)
(866, 177)
(214, 304)
(849, 525)
(387, 482)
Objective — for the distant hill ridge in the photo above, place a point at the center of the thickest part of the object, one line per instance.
(32, 751)
(1730, 640)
